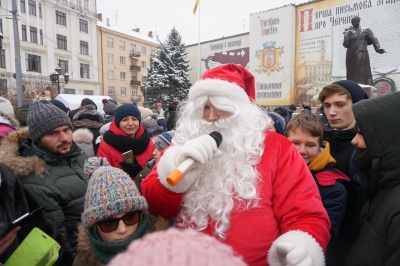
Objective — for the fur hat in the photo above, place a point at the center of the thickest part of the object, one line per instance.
(109, 106)
(279, 122)
(177, 247)
(6, 107)
(145, 112)
(230, 80)
(127, 109)
(163, 140)
(110, 191)
(357, 93)
(43, 116)
(83, 137)
(87, 101)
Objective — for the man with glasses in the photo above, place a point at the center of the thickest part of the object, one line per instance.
(253, 192)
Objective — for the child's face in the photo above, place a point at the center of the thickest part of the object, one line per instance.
(122, 230)
(156, 152)
(307, 145)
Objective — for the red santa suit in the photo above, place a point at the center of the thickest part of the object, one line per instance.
(289, 207)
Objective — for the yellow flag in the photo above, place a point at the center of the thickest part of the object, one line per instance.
(195, 6)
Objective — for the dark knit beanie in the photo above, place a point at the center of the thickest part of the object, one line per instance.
(357, 93)
(43, 116)
(292, 107)
(87, 101)
(127, 109)
(163, 140)
(279, 122)
(60, 105)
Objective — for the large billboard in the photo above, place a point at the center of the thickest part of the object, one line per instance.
(272, 60)
(320, 54)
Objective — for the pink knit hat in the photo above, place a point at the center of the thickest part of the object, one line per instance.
(177, 247)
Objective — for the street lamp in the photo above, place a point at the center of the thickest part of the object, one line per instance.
(55, 78)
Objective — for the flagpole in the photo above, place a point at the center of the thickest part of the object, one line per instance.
(199, 59)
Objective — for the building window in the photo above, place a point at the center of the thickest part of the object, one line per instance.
(3, 59)
(32, 63)
(41, 36)
(133, 47)
(143, 50)
(69, 91)
(123, 91)
(63, 64)
(143, 64)
(83, 25)
(110, 58)
(110, 90)
(40, 10)
(84, 48)
(122, 60)
(134, 92)
(122, 76)
(84, 70)
(23, 8)
(3, 87)
(24, 33)
(110, 74)
(110, 42)
(33, 34)
(32, 7)
(61, 18)
(61, 42)
(122, 45)
(88, 92)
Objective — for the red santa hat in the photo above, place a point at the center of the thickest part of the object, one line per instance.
(230, 80)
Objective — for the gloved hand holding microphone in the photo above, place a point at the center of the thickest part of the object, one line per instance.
(176, 163)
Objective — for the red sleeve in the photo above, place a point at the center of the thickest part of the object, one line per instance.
(298, 205)
(161, 200)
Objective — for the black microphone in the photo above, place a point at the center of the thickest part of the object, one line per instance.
(178, 173)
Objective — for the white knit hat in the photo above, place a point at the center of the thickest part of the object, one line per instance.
(6, 107)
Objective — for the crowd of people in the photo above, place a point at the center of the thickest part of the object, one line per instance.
(276, 187)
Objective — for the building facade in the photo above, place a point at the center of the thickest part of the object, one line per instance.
(123, 60)
(52, 34)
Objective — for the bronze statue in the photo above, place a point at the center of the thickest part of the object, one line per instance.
(356, 40)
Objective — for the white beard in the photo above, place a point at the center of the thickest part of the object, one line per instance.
(227, 182)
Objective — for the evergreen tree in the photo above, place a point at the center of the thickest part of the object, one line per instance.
(167, 77)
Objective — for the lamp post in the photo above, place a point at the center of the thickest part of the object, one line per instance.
(55, 78)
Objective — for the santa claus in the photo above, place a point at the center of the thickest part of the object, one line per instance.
(254, 192)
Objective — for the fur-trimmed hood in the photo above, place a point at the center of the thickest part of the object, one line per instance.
(7, 119)
(22, 166)
(82, 135)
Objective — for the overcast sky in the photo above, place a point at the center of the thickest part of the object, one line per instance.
(218, 18)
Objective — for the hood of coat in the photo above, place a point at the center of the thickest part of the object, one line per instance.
(93, 115)
(7, 119)
(380, 126)
(24, 157)
(82, 135)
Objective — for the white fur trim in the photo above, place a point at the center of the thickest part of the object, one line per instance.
(302, 239)
(167, 164)
(218, 87)
(82, 135)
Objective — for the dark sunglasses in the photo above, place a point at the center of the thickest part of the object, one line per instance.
(110, 225)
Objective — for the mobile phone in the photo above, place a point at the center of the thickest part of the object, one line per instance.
(128, 156)
(20, 220)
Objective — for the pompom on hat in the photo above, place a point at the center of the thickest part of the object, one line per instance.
(177, 247)
(110, 192)
(357, 93)
(230, 80)
(43, 116)
(127, 109)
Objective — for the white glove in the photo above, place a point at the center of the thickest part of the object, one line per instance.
(293, 255)
(296, 248)
(201, 149)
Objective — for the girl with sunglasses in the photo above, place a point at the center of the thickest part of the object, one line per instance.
(115, 214)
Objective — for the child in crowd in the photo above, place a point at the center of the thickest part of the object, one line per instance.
(161, 142)
(306, 133)
(114, 214)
